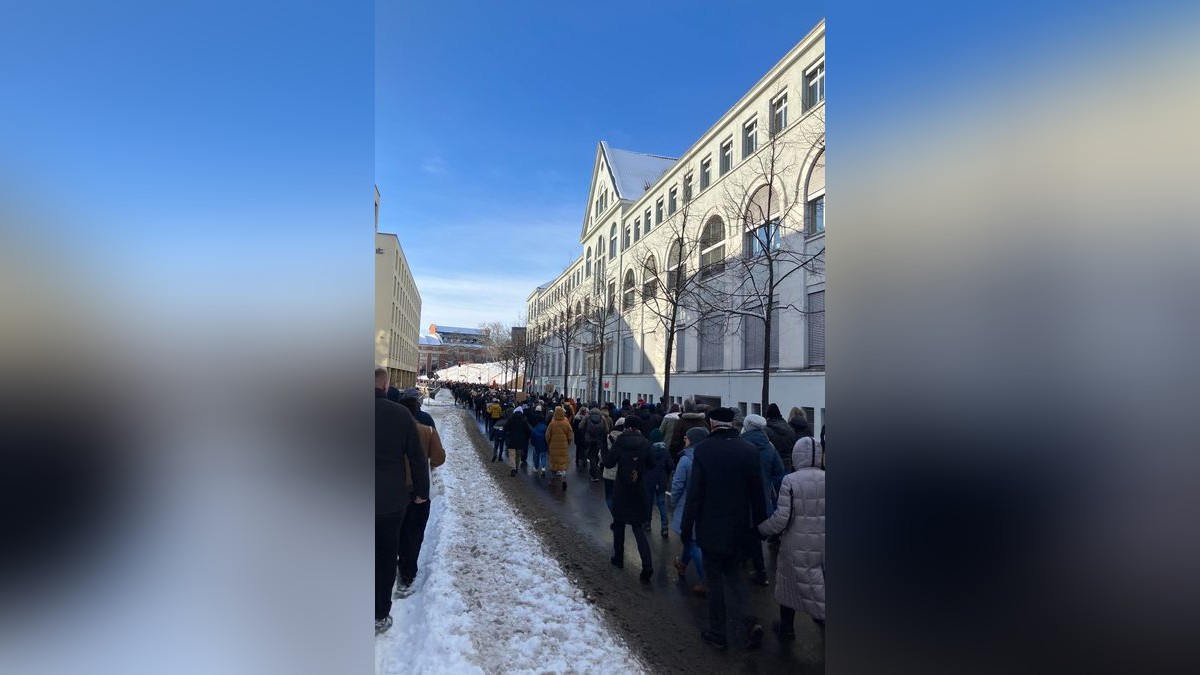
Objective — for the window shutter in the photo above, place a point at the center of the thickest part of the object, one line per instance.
(816, 328)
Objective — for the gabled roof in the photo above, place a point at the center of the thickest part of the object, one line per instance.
(633, 171)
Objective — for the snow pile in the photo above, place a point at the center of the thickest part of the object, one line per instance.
(489, 598)
(484, 373)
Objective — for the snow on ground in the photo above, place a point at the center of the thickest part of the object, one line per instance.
(489, 598)
(484, 373)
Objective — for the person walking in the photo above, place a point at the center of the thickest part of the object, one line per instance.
(800, 519)
(679, 483)
(494, 412)
(537, 439)
(656, 484)
(558, 439)
(771, 468)
(396, 440)
(595, 439)
(516, 436)
(724, 503)
(630, 456)
(609, 474)
(782, 436)
(416, 516)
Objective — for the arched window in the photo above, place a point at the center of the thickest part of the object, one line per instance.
(675, 267)
(650, 279)
(587, 267)
(612, 242)
(814, 196)
(712, 244)
(629, 291)
(762, 222)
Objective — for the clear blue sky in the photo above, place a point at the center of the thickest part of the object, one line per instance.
(487, 119)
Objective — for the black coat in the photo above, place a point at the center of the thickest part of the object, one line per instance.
(783, 437)
(517, 432)
(629, 500)
(396, 437)
(724, 495)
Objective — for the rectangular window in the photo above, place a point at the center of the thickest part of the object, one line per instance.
(678, 348)
(749, 138)
(687, 188)
(814, 86)
(612, 296)
(726, 156)
(756, 408)
(631, 357)
(647, 362)
(760, 237)
(626, 239)
(705, 173)
(647, 221)
(637, 229)
(742, 407)
(779, 114)
(672, 201)
(658, 211)
(752, 342)
(815, 318)
(815, 215)
(712, 343)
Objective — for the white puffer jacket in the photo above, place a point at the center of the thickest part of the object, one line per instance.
(800, 516)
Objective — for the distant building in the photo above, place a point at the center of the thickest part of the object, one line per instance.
(397, 309)
(447, 346)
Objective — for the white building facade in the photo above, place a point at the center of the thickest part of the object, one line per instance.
(710, 243)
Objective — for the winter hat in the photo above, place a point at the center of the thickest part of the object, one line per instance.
(655, 435)
(753, 422)
(410, 393)
(620, 422)
(722, 415)
(632, 422)
(773, 411)
(696, 434)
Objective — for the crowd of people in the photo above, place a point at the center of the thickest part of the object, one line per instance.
(724, 482)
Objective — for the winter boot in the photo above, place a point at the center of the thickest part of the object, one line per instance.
(700, 591)
(564, 483)
(680, 568)
(382, 625)
(759, 579)
(617, 562)
(756, 634)
(512, 472)
(646, 575)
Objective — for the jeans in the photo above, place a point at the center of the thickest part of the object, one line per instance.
(725, 577)
(639, 535)
(412, 535)
(498, 447)
(660, 499)
(691, 554)
(539, 459)
(387, 544)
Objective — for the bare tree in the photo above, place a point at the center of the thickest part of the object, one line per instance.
(773, 229)
(668, 281)
(497, 343)
(559, 326)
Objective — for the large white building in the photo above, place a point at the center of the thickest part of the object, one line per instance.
(703, 234)
(397, 309)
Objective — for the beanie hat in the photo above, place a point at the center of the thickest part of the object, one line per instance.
(620, 422)
(753, 422)
(696, 434)
(632, 422)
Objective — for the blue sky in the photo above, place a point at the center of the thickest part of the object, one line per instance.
(488, 116)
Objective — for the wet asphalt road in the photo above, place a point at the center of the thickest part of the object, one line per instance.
(661, 621)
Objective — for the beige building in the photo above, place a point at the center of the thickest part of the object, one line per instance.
(397, 309)
(711, 244)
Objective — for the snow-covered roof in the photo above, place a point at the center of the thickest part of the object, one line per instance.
(633, 171)
(429, 340)
(460, 331)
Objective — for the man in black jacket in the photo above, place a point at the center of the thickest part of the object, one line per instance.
(724, 501)
(396, 438)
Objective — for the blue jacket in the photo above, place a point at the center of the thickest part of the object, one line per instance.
(656, 478)
(769, 463)
(538, 438)
(679, 488)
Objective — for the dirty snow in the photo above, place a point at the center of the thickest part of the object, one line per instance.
(489, 598)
